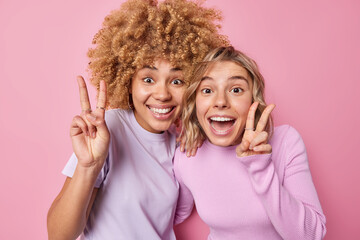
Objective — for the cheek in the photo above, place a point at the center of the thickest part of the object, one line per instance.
(178, 93)
(139, 92)
(242, 107)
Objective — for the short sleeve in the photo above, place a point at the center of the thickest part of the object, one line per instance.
(70, 167)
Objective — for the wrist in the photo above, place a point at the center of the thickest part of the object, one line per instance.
(91, 164)
(89, 171)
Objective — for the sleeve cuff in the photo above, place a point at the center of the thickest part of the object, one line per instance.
(256, 162)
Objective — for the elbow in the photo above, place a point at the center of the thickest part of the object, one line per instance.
(319, 230)
(320, 226)
(179, 219)
(182, 215)
(323, 229)
(308, 229)
(58, 231)
(50, 226)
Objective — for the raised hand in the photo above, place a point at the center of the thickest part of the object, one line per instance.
(255, 141)
(89, 134)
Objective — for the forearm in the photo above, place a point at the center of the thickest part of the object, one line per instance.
(67, 216)
(295, 216)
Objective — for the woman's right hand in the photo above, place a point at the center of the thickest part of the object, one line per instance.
(89, 134)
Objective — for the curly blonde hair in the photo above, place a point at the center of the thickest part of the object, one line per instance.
(191, 128)
(140, 32)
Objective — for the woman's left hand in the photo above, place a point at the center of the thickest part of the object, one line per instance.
(255, 141)
(182, 143)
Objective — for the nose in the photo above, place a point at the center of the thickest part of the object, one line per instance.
(221, 100)
(162, 93)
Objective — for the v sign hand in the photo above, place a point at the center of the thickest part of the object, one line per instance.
(255, 141)
(89, 134)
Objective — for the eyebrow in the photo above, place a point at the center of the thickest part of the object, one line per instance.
(239, 77)
(230, 78)
(172, 69)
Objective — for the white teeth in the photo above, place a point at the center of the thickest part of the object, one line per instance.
(221, 119)
(160, 110)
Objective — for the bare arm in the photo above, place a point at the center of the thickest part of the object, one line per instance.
(90, 140)
(69, 212)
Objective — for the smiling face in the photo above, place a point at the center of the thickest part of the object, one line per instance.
(223, 99)
(157, 93)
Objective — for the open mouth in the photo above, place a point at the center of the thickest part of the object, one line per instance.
(161, 113)
(221, 125)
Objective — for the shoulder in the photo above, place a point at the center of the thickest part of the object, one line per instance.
(117, 113)
(287, 143)
(285, 134)
(179, 156)
(116, 117)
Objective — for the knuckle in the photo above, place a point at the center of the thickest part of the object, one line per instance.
(78, 120)
(75, 119)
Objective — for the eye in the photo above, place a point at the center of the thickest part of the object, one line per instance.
(148, 80)
(236, 90)
(206, 90)
(177, 82)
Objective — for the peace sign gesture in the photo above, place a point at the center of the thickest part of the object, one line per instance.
(89, 134)
(255, 141)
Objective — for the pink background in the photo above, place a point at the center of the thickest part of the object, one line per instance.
(307, 50)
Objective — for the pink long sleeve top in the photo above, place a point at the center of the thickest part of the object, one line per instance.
(270, 196)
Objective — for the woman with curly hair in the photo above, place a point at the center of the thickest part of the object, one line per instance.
(120, 182)
(248, 179)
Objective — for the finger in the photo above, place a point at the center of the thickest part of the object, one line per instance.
(264, 118)
(251, 116)
(92, 130)
(99, 125)
(78, 126)
(90, 126)
(182, 140)
(182, 146)
(200, 141)
(263, 148)
(84, 96)
(242, 147)
(188, 152)
(193, 151)
(262, 137)
(101, 102)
